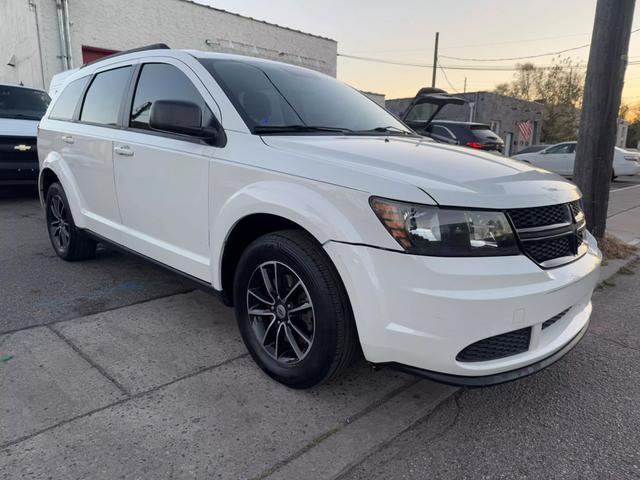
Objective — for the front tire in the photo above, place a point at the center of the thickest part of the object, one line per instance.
(292, 310)
(69, 242)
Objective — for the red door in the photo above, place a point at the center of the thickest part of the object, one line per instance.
(89, 54)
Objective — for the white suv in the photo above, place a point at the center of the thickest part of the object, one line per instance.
(327, 222)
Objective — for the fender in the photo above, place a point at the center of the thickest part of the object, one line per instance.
(327, 212)
(54, 162)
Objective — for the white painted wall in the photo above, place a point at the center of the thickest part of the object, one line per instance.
(123, 24)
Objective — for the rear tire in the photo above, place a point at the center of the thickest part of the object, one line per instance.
(301, 332)
(69, 242)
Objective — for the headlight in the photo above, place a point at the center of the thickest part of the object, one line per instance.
(446, 232)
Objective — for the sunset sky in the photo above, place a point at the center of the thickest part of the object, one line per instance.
(404, 31)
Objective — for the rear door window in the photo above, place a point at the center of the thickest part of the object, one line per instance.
(67, 101)
(442, 131)
(559, 149)
(104, 97)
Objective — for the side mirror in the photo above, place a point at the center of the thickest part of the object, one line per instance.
(183, 118)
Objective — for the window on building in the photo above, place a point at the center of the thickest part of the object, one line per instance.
(161, 81)
(104, 97)
(66, 104)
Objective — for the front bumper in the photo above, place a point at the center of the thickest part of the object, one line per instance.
(420, 312)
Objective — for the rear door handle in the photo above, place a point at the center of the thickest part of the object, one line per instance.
(67, 139)
(125, 151)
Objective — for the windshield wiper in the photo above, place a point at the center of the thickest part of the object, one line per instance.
(297, 129)
(389, 129)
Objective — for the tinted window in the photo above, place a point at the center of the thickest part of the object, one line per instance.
(102, 101)
(18, 102)
(270, 94)
(562, 148)
(443, 132)
(160, 81)
(67, 101)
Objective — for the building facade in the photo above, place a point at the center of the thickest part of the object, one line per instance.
(500, 112)
(40, 38)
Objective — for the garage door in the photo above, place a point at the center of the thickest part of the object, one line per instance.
(90, 54)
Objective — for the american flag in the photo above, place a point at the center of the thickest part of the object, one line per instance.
(526, 130)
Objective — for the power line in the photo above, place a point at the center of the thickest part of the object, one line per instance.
(524, 57)
(447, 78)
(489, 68)
(516, 58)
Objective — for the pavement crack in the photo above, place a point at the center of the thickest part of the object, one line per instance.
(456, 398)
(118, 402)
(314, 442)
(89, 360)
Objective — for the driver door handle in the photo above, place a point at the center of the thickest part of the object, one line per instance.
(124, 150)
(67, 139)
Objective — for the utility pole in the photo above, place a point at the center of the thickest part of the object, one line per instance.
(464, 90)
(435, 60)
(600, 105)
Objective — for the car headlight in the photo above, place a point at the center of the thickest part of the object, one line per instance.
(446, 232)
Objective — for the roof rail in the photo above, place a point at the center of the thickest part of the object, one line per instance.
(153, 46)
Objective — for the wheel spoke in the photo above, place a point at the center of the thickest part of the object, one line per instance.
(277, 338)
(266, 332)
(266, 302)
(299, 332)
(304, 306)
(292, 342)
(267, 283)
(293, 289)
(260, 312)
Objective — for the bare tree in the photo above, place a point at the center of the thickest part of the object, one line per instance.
(559, 87)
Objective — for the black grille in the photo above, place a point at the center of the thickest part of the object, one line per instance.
(550, 232)
(8, 152)
(496, 347)
(554, 319)
(544, 250)
(576, 208)
(540, 216)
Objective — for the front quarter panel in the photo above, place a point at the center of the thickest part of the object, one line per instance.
(326, 211)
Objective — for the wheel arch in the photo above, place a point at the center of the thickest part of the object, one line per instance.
(245, 231)
(53, 169)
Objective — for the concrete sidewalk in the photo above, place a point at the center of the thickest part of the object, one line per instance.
(624, 213)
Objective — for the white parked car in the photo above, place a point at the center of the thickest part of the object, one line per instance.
(324, 220)
(560, 158)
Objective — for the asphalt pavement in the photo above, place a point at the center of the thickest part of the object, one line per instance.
(115, 368)
(578, 419)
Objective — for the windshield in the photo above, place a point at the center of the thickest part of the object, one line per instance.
(278, 98)
(23, 103)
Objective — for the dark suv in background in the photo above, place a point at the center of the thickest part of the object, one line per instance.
(428, 103)
(21, 109)
(468, 134)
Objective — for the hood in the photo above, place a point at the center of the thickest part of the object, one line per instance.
(450, 175)
(16, 127)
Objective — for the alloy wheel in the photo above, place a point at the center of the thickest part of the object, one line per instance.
(281, 313)
(59, 223)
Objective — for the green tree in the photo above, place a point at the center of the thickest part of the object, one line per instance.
(559, 87)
